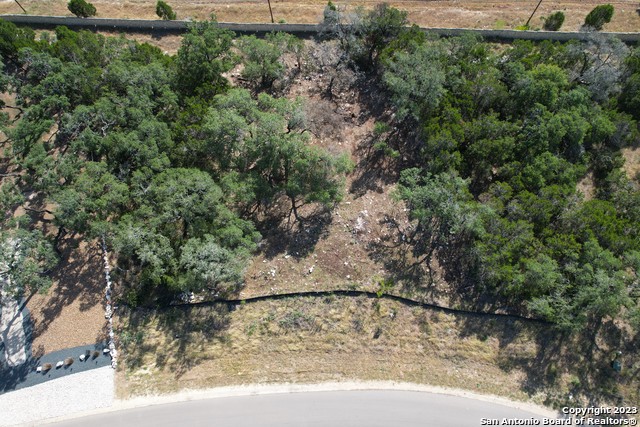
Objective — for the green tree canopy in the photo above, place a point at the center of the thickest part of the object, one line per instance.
(81, 8)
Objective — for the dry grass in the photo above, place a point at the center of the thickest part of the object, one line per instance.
(436, 13)
(309, 340)
(586, 186)
(631, 161)
(306, 340)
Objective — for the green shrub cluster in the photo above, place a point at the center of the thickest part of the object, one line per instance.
(504, 135)
(158, 154)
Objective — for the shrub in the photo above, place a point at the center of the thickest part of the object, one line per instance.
(599, 16)
(554, 21)
(81, 8)
(164, 11)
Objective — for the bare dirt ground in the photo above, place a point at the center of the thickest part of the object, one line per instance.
(342, 248)
(435, 13)
(71, 313)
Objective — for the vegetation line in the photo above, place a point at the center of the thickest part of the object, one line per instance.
(354, 293)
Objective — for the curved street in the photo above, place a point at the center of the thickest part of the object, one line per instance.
(317, 409)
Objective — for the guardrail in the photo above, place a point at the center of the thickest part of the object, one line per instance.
(302, 30)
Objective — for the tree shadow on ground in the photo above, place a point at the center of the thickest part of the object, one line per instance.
(415, 277)
(184, 331)
(374, 170)
(380, 154)
(79, 275)
(458, 268)
(11, 377)
(551, 360)
(573, 369)
(297, 238)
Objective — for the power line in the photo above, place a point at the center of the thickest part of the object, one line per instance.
(533, 13)
(20, 6)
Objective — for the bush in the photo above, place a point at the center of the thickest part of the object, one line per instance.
(599, 16)
(81, 8)
(554, 21)
(164, 11)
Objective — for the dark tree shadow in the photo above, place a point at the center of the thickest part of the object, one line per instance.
(298, 238)
(551, 355)
(80, 277)
(187, 329)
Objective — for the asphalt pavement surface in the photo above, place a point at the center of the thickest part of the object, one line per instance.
(317, 409)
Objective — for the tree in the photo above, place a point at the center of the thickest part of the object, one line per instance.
(204, 55)
(181, 236)
(164, 11)
(415, 80)
(208, 265)
(262, 64)
(363, 35)
(599, 16)
(597, 64)
(13, 38)
(442, 207)
(94, 197)
(26, 257)
(81, 8)
(554, 21)
(630, 94)
(264, 143)
(379, 27)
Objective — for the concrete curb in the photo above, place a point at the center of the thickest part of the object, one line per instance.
(266, 389)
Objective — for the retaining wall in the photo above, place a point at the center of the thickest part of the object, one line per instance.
(302, 30)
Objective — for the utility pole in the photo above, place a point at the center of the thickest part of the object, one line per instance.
(20, 6)
(534, 12)
(270, 11)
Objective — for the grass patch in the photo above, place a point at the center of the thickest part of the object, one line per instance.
(308, 339)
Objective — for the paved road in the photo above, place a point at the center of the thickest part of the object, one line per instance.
(317, 409)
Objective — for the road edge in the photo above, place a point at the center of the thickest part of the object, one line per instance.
(282, 388)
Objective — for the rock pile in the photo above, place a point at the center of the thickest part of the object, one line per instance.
(108, 312)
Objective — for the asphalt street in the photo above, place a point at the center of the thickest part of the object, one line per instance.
(317, 409)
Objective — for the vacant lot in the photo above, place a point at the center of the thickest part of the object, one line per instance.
(307, 340)
(464, 13)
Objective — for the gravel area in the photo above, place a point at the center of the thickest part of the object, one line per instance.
(81, 392)
(26, 375)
